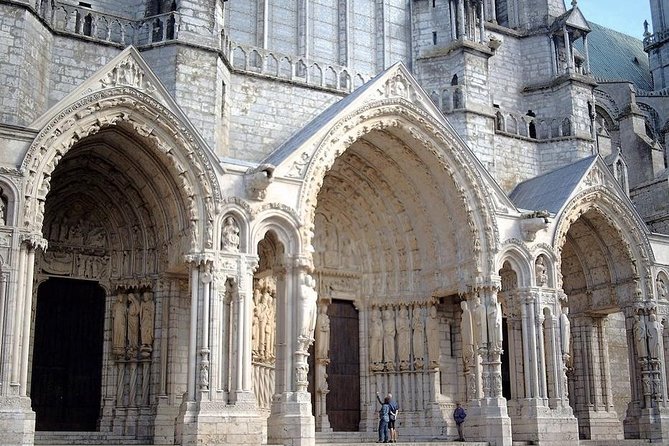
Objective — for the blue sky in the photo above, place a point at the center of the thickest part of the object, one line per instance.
(626, 16)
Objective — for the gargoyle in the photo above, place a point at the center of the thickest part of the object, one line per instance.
(257, 179)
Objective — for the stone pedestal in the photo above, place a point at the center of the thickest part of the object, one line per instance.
(488, 421)
(535, 423)
(654, 424)
(213, 423)
(164, 424)
(291, 422)
(17, 421)
(599, 425)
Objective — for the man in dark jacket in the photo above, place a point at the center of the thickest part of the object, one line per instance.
(459, 415)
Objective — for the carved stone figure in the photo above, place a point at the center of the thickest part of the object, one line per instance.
(230, 239)
(133, 321)
(264, 324)
(403, 337)
(389, 338)
(661, 288)
(480, 322)
(654, 330)
(3, 215)
(308, 297)
(418, 339)
(495, 324)
(432, 328)
(540, 271)
(119, 324)
(640, 335)
(565, 333)
(467, 333)
(255, 327)
(323, 337)
(376, 338)
(147, 313)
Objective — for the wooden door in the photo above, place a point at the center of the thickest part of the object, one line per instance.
(67, 355)
(343, 401)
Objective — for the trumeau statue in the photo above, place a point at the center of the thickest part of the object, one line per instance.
(432, 327)
(376, 339)
(403, 337)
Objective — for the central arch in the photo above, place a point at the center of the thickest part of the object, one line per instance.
(400, 221)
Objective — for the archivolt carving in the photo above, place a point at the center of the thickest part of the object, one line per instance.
(150, 119)
(451, 155)
(628, 226)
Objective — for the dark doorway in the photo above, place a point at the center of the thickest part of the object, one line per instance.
(67, 355)
(506, 369)
(343, 401)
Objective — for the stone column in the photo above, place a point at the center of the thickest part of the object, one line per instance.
(567, 50)
(291, 420)
(461, 19)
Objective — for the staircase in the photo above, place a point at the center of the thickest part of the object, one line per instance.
(46, 438)
(370, 438)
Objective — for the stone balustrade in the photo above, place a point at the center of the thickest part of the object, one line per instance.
(538, 128)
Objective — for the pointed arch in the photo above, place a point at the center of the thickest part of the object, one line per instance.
(161, 131)
(431, 143)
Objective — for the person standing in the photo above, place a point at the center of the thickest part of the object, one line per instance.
(384, 419)
(394, 409)
(459, 415)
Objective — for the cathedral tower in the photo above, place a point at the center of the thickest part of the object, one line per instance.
(657, 44)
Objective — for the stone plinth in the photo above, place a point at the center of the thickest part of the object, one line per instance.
(17, 421)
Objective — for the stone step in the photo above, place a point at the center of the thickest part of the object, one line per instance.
(369, 438)
(45, 438)
(614, 442)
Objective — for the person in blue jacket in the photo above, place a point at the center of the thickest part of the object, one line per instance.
(384, 418)
(394, 410)
(459, 415)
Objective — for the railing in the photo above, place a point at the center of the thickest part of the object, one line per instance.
(533, 127)
(108, 27)
(450, 98)
(292, 68)
(656, 38)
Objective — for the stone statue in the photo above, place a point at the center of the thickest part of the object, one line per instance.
(654, 329)
(480, 322)
(376, 338)
(540, 271)
(565, 333)
(270, 327)
(640, 335)
(467, 334)
(661, 288)
(432, 328)
(403, 337)
(495, 324)
(3, 209)
(147, 314)
(389, 338)
(255, 327)
(230, 238)
(263, 321)
(133, 321)
(323, 338)
(119, 324)
(418, 339)
(308, 298)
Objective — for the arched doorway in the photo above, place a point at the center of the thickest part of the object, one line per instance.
(67, 355)
(600, 281)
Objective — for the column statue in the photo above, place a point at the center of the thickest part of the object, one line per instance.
(640, 335)
(147, 313)
(119, 325)
(133, 322)
(376, 340)
(308, 298)
(495, 324)
(323, 329)
(432, 328)
(565, 334)
(263, 321)
(403, 337)
(654, 329)
(389, 338)
(418, 339)
(255, 326)
(480, 322)
(467, 334)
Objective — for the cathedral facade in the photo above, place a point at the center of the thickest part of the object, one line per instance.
(237, 222)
